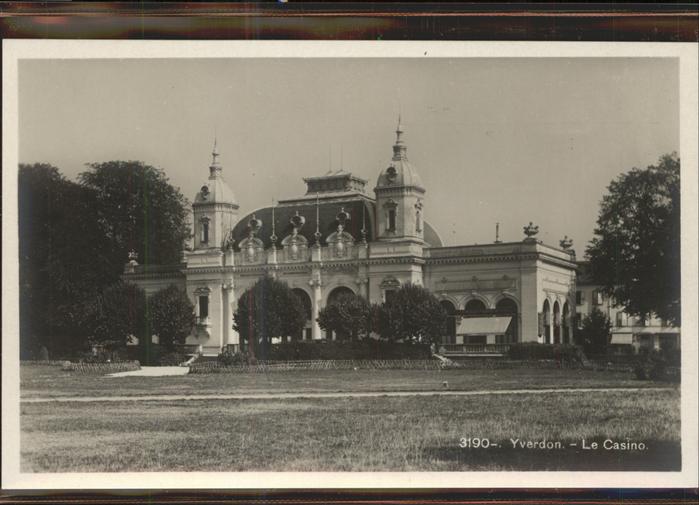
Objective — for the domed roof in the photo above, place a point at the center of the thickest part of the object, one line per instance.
(216, 190)
(400, 172)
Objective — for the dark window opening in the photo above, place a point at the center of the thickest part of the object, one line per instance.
(205, 231)
(203, 307)
(392, 220)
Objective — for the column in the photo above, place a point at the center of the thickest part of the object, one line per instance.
(317, 300)
(227, 288)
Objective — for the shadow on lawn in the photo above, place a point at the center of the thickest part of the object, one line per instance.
(660, 456)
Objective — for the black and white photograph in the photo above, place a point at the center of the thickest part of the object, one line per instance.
(389, 259)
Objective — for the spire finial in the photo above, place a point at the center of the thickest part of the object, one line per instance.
(399, 148)
(215, 165)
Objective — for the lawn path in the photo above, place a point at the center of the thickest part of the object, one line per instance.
(359, 394)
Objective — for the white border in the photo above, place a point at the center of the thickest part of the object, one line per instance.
(13, 50)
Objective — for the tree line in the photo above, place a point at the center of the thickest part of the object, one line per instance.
(74, 239)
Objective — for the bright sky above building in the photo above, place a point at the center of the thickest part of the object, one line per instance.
(494, 140)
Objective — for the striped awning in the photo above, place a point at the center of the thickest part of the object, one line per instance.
(484, 325)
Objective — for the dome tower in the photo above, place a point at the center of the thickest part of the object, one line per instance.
(215, 208)
(400, 197)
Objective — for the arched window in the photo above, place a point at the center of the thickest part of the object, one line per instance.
(204, 230)
(418, 221)
(474, 307)
(391, 219)
(307, 309)
(508, 307)
(547, 322)
(556, 323)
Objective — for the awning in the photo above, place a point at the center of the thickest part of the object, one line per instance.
(622, 338)
(483, 325)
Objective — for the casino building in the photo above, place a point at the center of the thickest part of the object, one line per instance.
(344, 236)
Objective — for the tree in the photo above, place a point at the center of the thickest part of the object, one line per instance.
(412, 313)
(268, 310)
(349, 316)
(61, 259)
(635, 253)
(138, 209)
(595, 334)
(121, 313)
(171, 316)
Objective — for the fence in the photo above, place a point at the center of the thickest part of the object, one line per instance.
(276, 366)
(101, 368)
(474, 348)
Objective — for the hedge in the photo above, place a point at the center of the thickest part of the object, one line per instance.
(536, 351)
(39, 362)
(101, 368)
(271, 366)
(365, 349)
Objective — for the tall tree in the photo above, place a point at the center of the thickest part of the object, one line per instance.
(595, 334)
(171, 316)
(138, 209)
(268, 310)
(414, 314)
(349, 316)
(635, 253)
(61, 259)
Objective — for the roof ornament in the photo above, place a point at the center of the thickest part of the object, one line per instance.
(566, 243)
(317, 234)
(530, 231)
(497, 233)
(254, 225)
(273, 237)
(297, 221)
(363, 230)
(342, 218)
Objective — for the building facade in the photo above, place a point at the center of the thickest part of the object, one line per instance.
(343, 236)
(629, 333)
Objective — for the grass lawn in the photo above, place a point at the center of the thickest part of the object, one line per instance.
(347, 434)
(46, 381)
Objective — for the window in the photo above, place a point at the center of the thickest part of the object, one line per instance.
(579, 297)
(391, 219)
(204, 230)
(620, 319)
(388, 294)
(418, 222)
(578, 321)
(597, 297)
(203, 307)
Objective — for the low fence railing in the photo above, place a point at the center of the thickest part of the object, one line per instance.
(474, 348)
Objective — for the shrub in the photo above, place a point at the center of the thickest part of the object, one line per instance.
(350, 316)
(530, 351)
(595, 334)
(267, 310)
(661, 366)
(121, 312)
(366, 349)
(171, 316)
(172, 359)
(412, 313)
(230, 358)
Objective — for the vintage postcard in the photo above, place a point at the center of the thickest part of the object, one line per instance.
(349, 264)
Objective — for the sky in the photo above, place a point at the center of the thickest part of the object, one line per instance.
(508, 140)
